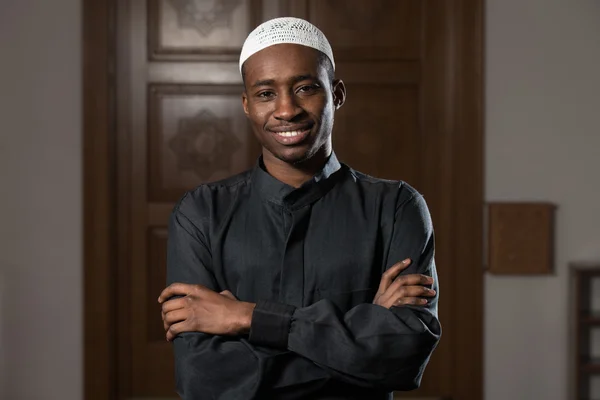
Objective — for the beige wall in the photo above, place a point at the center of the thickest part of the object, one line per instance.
(40, 205)
(542, 143)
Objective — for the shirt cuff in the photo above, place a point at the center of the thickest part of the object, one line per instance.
(270, 324)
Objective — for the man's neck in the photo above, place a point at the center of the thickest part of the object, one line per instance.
(295, 175)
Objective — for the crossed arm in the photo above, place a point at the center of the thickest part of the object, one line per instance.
(200, 309)
(383, 345)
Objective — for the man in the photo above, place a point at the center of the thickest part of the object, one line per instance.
(301, 278)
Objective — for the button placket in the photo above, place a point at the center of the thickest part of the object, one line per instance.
(292, 268)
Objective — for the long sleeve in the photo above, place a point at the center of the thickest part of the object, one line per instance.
(369, 345)
(219, 367)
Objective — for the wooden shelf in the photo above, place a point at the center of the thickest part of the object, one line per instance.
(591, 367)
(586, 268)
(590, 319)
(587, 365)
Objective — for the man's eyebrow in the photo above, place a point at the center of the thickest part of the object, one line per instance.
(293, 80)
(300, 78)
(264, 82)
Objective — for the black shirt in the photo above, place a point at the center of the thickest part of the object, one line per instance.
(312, 259)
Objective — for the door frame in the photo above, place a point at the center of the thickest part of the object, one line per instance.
(101, 197)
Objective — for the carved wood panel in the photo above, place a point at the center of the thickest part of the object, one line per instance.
(380, 138)
(370, 30)
(199, 29)
(198, 134)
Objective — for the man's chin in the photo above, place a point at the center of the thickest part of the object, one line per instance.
(294, 158)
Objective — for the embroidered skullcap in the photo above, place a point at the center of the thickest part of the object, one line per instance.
(285, 30)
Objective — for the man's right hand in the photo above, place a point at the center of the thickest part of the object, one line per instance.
(397, 290)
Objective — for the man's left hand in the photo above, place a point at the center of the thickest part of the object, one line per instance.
(203, 310)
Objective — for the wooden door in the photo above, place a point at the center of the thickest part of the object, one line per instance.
(412, 72)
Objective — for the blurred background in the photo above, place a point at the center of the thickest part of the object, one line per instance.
(541, 142)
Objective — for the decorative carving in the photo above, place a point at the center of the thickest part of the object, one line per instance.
(204, 144)
(204, 15)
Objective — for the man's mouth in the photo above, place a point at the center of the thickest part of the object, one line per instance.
(289, 133)
(291, 137)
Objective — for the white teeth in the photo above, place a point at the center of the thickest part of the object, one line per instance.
(289, 134)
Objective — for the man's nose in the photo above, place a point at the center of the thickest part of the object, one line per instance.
(287, 108)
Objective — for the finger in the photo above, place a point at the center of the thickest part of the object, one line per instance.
(175, 304)
(413, 301)
(173, 317)
(407, 292)
(414, 291)
(176, 329)
(410, 280)
(228, 294)
(389, 275)
(165, 325)
(175, 289)
(399, 285)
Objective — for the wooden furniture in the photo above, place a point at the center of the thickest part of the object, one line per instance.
(520, 238)
(586, 319)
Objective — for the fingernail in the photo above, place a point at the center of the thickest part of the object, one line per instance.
(406, 261)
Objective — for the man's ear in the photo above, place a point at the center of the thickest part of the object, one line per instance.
(245, 103)
(339, 93)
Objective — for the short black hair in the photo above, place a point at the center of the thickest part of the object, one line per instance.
(322, 59)
(328, 66)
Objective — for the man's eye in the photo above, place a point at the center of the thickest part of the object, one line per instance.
(266, 94)
(308, 88)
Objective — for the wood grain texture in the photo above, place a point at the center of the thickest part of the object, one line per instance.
(98, 199)
(196, 134)
(520, 238)
(367, 31)
(194, 31)
(468, 153)
(157, 274)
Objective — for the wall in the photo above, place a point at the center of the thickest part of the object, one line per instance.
(40, 206)
(543, 143)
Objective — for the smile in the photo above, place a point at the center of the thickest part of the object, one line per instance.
(290, 138)
(289, 134)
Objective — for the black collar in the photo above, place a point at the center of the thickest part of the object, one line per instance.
(283, 194)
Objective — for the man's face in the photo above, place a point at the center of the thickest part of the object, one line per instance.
(290, 100)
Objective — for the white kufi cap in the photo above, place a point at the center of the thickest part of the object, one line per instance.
(285, 30)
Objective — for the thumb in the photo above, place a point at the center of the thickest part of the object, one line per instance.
(390, 275)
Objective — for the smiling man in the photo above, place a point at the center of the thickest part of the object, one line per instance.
(301, 278)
